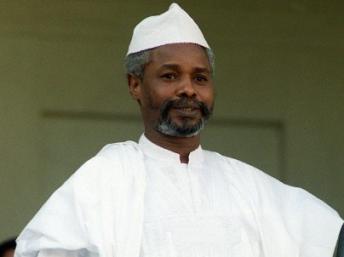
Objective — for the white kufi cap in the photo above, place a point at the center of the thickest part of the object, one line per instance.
(170, 27)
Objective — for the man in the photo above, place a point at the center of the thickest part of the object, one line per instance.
(7, 248)
(166, 196)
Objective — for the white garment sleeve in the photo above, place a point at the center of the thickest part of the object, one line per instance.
(59, 224)
(297, 220)
(291, 221)
(98, 212)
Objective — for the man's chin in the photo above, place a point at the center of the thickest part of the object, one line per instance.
(179, 134)
(180, 130)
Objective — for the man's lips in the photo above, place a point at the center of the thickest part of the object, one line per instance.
(184, 108)
(187, 110)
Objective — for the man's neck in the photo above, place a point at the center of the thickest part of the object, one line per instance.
(181, 145)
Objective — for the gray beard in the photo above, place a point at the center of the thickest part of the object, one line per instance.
(169, 128)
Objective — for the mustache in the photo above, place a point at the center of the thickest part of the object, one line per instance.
(185, 102)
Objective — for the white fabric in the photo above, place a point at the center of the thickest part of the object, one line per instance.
(172, 26)
(97, 212)
(101, 210)
(190, 211)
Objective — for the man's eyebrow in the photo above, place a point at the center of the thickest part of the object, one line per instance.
(170, 66)
(177, 67)
(202, 70)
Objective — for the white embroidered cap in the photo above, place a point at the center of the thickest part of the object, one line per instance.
(170, 27)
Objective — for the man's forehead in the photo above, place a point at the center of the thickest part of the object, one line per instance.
(180, 51)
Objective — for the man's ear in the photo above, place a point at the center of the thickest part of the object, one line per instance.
(134, 84)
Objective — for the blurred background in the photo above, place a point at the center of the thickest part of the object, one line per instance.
(63, 93)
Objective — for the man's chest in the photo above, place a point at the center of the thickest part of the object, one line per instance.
(194, 211)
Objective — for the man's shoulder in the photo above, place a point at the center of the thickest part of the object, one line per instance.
(108, 164)
(275, 199)
(267, 190)
(110, 150)
(110, 154)
(251, 180)
(232, 165)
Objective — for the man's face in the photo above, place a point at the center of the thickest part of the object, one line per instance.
(176, 93)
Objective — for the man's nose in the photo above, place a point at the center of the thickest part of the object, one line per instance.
(186, 88)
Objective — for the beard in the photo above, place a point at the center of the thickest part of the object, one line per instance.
(185, 128)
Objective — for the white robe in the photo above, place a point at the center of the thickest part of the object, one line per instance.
(99, 211)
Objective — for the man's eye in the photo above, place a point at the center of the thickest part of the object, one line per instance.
(201, 78)
(169, 76)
